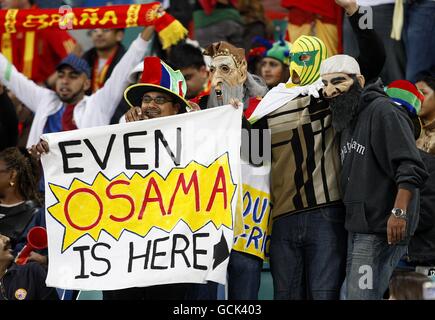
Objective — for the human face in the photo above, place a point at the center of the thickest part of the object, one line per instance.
(196, 80)
(336, 84)
(223, 69)
(6, 256)
(154, 110)
(271, 71)
(6, 176)
(71, 85)
(428, 107)
(105, 39)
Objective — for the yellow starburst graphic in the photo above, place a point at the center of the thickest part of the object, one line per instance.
(195, 194)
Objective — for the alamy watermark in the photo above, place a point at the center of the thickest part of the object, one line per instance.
(366, 280)
(366, 20)
(67, 17)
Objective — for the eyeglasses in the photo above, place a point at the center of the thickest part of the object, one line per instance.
(158, 99)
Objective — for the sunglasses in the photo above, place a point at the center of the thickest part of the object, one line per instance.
(157, 100)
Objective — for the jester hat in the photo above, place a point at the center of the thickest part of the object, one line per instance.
(158, 76)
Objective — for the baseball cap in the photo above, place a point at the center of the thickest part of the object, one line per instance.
(78, 64)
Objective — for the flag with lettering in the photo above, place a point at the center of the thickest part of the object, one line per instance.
(143, 203)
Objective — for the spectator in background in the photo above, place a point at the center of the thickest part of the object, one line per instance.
(8, 121)
(381, 21)
(254, 21)
(322, 19)
(421, 251)
(68, 107)
(19, 196)
(426, 84)
(102, 59)
(418, 37)
(275, 63)
(22, 282)
(104, 56)
(36, 53)
(216, 21)
(190, 61)
(254, 58)
(407, 285)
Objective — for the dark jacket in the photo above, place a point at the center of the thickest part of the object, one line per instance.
(26, 282)
(38, 220)
(14, 221)
(422, 245)
(378, 156)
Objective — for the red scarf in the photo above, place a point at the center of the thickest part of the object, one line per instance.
(169, 29)
(98, 77)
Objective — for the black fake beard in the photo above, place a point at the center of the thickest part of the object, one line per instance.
(344, 107)
(227, 93)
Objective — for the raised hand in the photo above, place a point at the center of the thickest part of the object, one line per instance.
(135, 114)
(350, 6)
(37, 149)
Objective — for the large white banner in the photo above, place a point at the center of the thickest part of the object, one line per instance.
(143, 203)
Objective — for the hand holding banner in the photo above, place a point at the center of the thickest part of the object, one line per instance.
(143, 203)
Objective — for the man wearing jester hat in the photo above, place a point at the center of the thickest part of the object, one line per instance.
(308, 243)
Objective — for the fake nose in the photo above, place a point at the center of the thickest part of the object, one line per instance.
(330, 91)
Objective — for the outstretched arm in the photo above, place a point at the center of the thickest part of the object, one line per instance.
(101, 106)
(26, 90)
(372, 51)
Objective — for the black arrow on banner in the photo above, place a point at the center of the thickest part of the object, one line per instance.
(221, 252)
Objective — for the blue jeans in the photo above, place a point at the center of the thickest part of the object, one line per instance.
(308, 254)
(244, 276)
(419, 37)
(370, 264)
